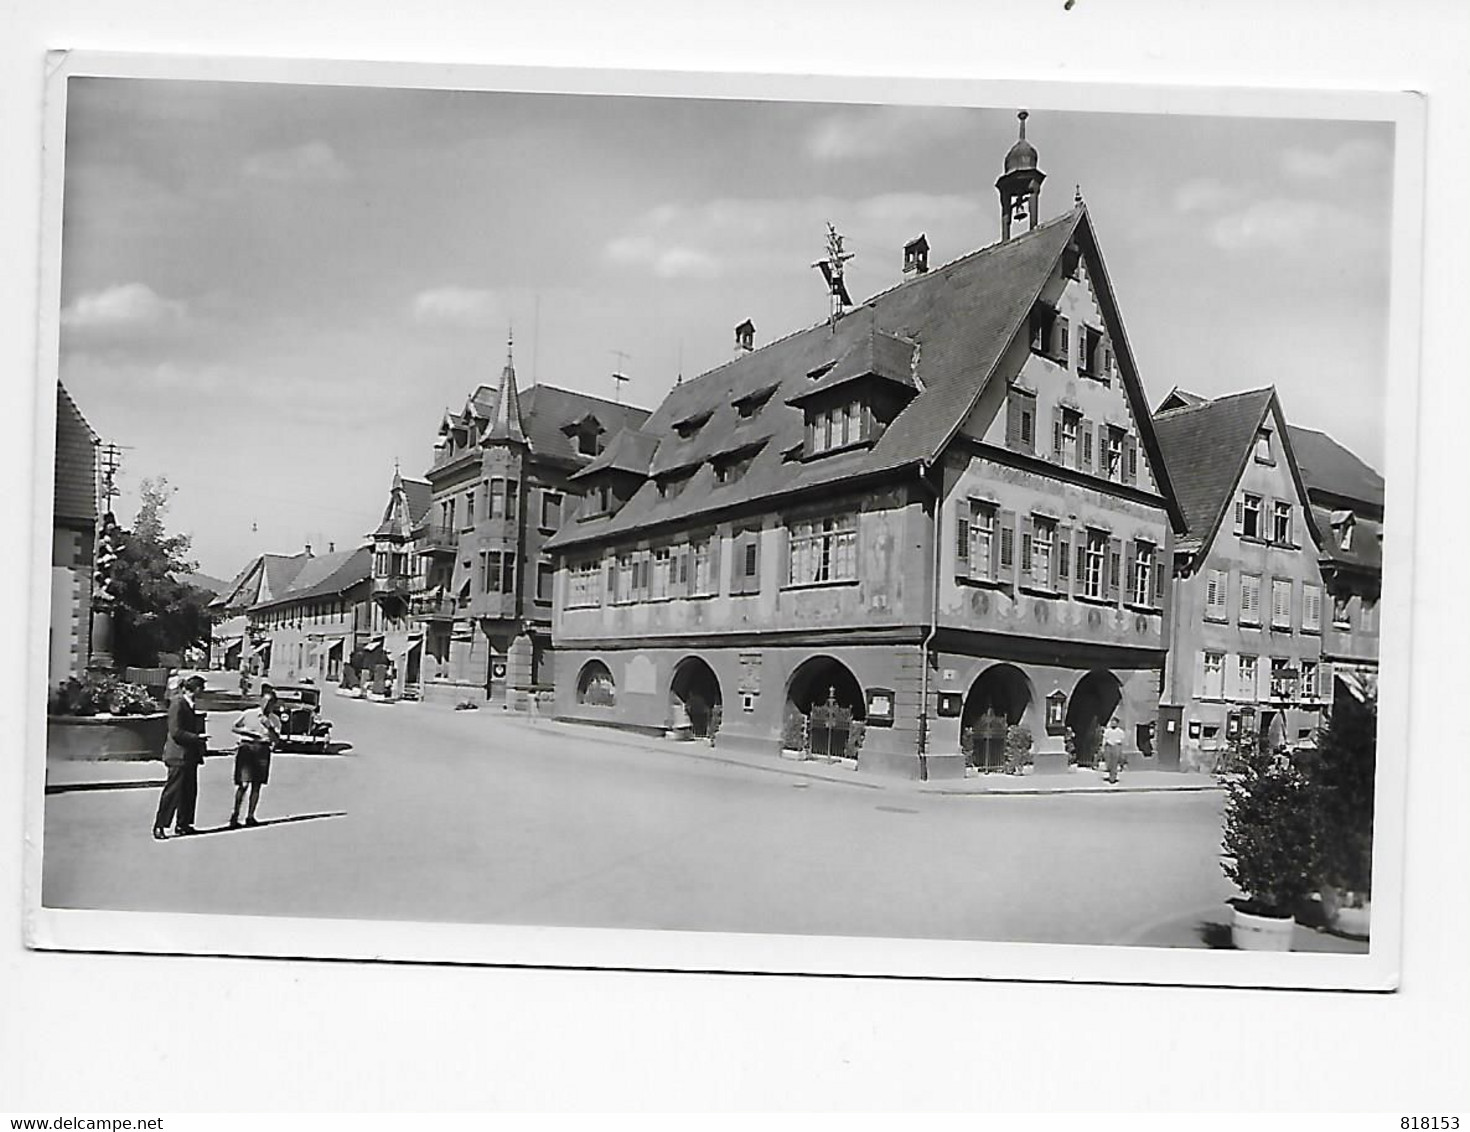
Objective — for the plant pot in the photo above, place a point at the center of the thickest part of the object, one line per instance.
(131, 737)
(1353, 919)
(1251, 931)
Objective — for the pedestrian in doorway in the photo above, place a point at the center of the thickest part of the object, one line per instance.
(1113, 748)
(183, 752)
(259, 730)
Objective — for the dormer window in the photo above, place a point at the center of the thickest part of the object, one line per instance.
(732, 466)
(745, 336)
(585, 433)
(689, 427)
(837, 426)
(1049, 334)
(671, 486)
(1342, 529)
(752, 403)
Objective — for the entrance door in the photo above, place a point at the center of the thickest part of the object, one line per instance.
(1168, 740)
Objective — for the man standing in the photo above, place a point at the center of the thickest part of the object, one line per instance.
(183, 751)
(1113, 748)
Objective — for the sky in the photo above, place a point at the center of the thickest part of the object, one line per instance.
(271, 293)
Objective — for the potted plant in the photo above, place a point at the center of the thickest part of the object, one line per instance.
(1343, 768)
(1271, 842)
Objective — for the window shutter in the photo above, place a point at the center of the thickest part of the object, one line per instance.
(1084, 439)
(1102, 448)
(1026, 540)
(1013, 420)
(1079, 575)
(1107, 358)
(1056, 433)
(1326, 682)
(1199, 673)
(1007, 543)
(1130, 465)
(1161, 570)
(1240, 516)
(1063, 350)
(1060, 546)
(962, 543)
(1132, 569)
(994, 547)
(612, 580)
(1115, 567)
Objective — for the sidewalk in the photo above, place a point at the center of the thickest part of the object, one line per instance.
(1210, 927)
(1076, 780)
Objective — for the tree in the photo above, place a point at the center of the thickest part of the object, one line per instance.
(156, 610)
(1347, 755)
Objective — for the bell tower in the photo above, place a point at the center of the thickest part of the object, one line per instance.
(1020, 185)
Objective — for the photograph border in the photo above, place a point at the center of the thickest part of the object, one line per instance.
(494, 945)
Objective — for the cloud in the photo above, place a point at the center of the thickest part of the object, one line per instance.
(315, 161)
(730, 237)
(456, 306)
(884, 131)
(1204, 194)
(129, 306)
(1359, 155)
(1282, 224)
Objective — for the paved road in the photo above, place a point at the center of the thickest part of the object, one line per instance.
(468, 816)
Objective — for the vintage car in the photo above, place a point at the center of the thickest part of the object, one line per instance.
(302, 728)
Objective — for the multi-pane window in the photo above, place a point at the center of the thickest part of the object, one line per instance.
(625, 587)
(659, 586)
(1311, 607)
(1248, 515)
(822, 550)
(1263, 446)
(1309, 680)
(550, 510)
(1281, 603)
(1113, 454)
(1144, 565)
(1071, 426)
(1342, 611)
(836, 427)
(701, 576)
(497, 500)
(1094, 564)
(545, 581)
(469, 509)
(498, 571)
(976, 540)
(1217, 589)
(1247, 687)
(1021, 420)
(584, 584)
(1281, 523)
(1283, 679)
(1043, 546)
(1250, 599)
(1214, 684)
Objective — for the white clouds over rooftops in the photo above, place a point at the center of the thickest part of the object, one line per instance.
(882, 131)
(1293, 225)
(314, 161)
(1358, 155)
(124, 307)
(728, 235)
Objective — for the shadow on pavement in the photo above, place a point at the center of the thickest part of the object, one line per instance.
(267, 823)
(69, 787)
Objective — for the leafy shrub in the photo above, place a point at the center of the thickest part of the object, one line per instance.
(855, 737)
(1343, 769)
(1019, 742)
(793, 731)
(1273, 824)
(100, 693)
(716, 717)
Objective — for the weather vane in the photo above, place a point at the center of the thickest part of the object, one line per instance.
(832, 268)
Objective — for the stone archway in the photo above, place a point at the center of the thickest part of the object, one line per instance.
(1092, 703)
(997, 700)
(695, 689)
(595, 685)
(823, 701)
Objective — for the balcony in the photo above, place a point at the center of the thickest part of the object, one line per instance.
(439, 540)
(391, 585)
(425, 607)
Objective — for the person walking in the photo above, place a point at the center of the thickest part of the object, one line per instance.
(1113, 748)
(259, 729)
(183, 752)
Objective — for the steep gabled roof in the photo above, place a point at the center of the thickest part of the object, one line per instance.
(75, 494)
(325, 575)
(547, 409)
(1365, 549)
(960, 319)
(879, 355)
(1206, 447)
(1328, 468)
(420, 495)
(1179, 399)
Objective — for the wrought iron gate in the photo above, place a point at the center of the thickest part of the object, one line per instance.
(988, 742)
(829, 729)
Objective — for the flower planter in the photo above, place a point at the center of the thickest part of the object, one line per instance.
(1252, 932)
(122, 737)
(1353, 919)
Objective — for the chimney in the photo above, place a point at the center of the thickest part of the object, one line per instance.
(745, 337)
(308, 550)
(916, 256)
(331, 548)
